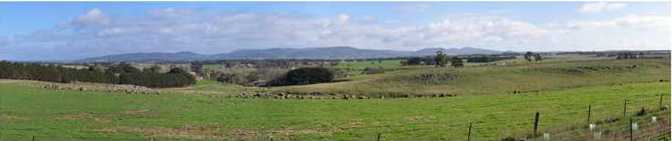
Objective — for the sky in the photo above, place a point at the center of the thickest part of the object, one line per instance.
(44, 31)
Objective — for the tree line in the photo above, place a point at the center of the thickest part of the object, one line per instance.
(114, 74)
(442, 60)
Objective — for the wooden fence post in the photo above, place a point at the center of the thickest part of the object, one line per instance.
(536, 124)
(33, 138)
(625, 109)
(589, 107)
(378, 137)
(469, 132)
(660, 102)
(631, 137)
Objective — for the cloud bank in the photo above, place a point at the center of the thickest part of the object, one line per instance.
(95, 33)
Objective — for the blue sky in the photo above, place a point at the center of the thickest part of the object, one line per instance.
(73, 30)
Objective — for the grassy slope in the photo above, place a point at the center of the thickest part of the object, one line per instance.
(479, 80)
(27, 111)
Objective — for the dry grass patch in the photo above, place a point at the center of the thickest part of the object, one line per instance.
(5, 117)
(78, 116)
(185, 132)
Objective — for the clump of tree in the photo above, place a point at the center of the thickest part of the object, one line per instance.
(115, 74)
(529, 56)
(441, 59)
(309, 76)
(176, 77)
(52, 73)
(302, 76)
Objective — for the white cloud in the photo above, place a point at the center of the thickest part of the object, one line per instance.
(598, 7)
(92, 17)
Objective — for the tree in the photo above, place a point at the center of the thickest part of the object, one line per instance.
(456, 62)
(528, 56)
(537, 57)
(441, 59)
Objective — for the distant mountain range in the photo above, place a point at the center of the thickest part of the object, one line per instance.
(283, 53)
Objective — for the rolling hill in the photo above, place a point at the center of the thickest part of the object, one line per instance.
(283, 53)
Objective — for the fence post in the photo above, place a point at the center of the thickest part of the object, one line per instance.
(631, 129)
(33, 138)
(589, 107)
(378, 137)
(660, 102)
(469, 133)
(536, 124)
(625, 108)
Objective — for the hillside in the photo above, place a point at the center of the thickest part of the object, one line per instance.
(489, 80)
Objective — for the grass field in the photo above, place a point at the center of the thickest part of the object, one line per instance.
(559, 89)
(28, 111)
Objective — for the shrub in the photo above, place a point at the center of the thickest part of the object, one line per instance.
(372, 70)
(435, 77)
(456, 62)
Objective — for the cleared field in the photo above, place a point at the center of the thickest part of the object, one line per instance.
(28, 111)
